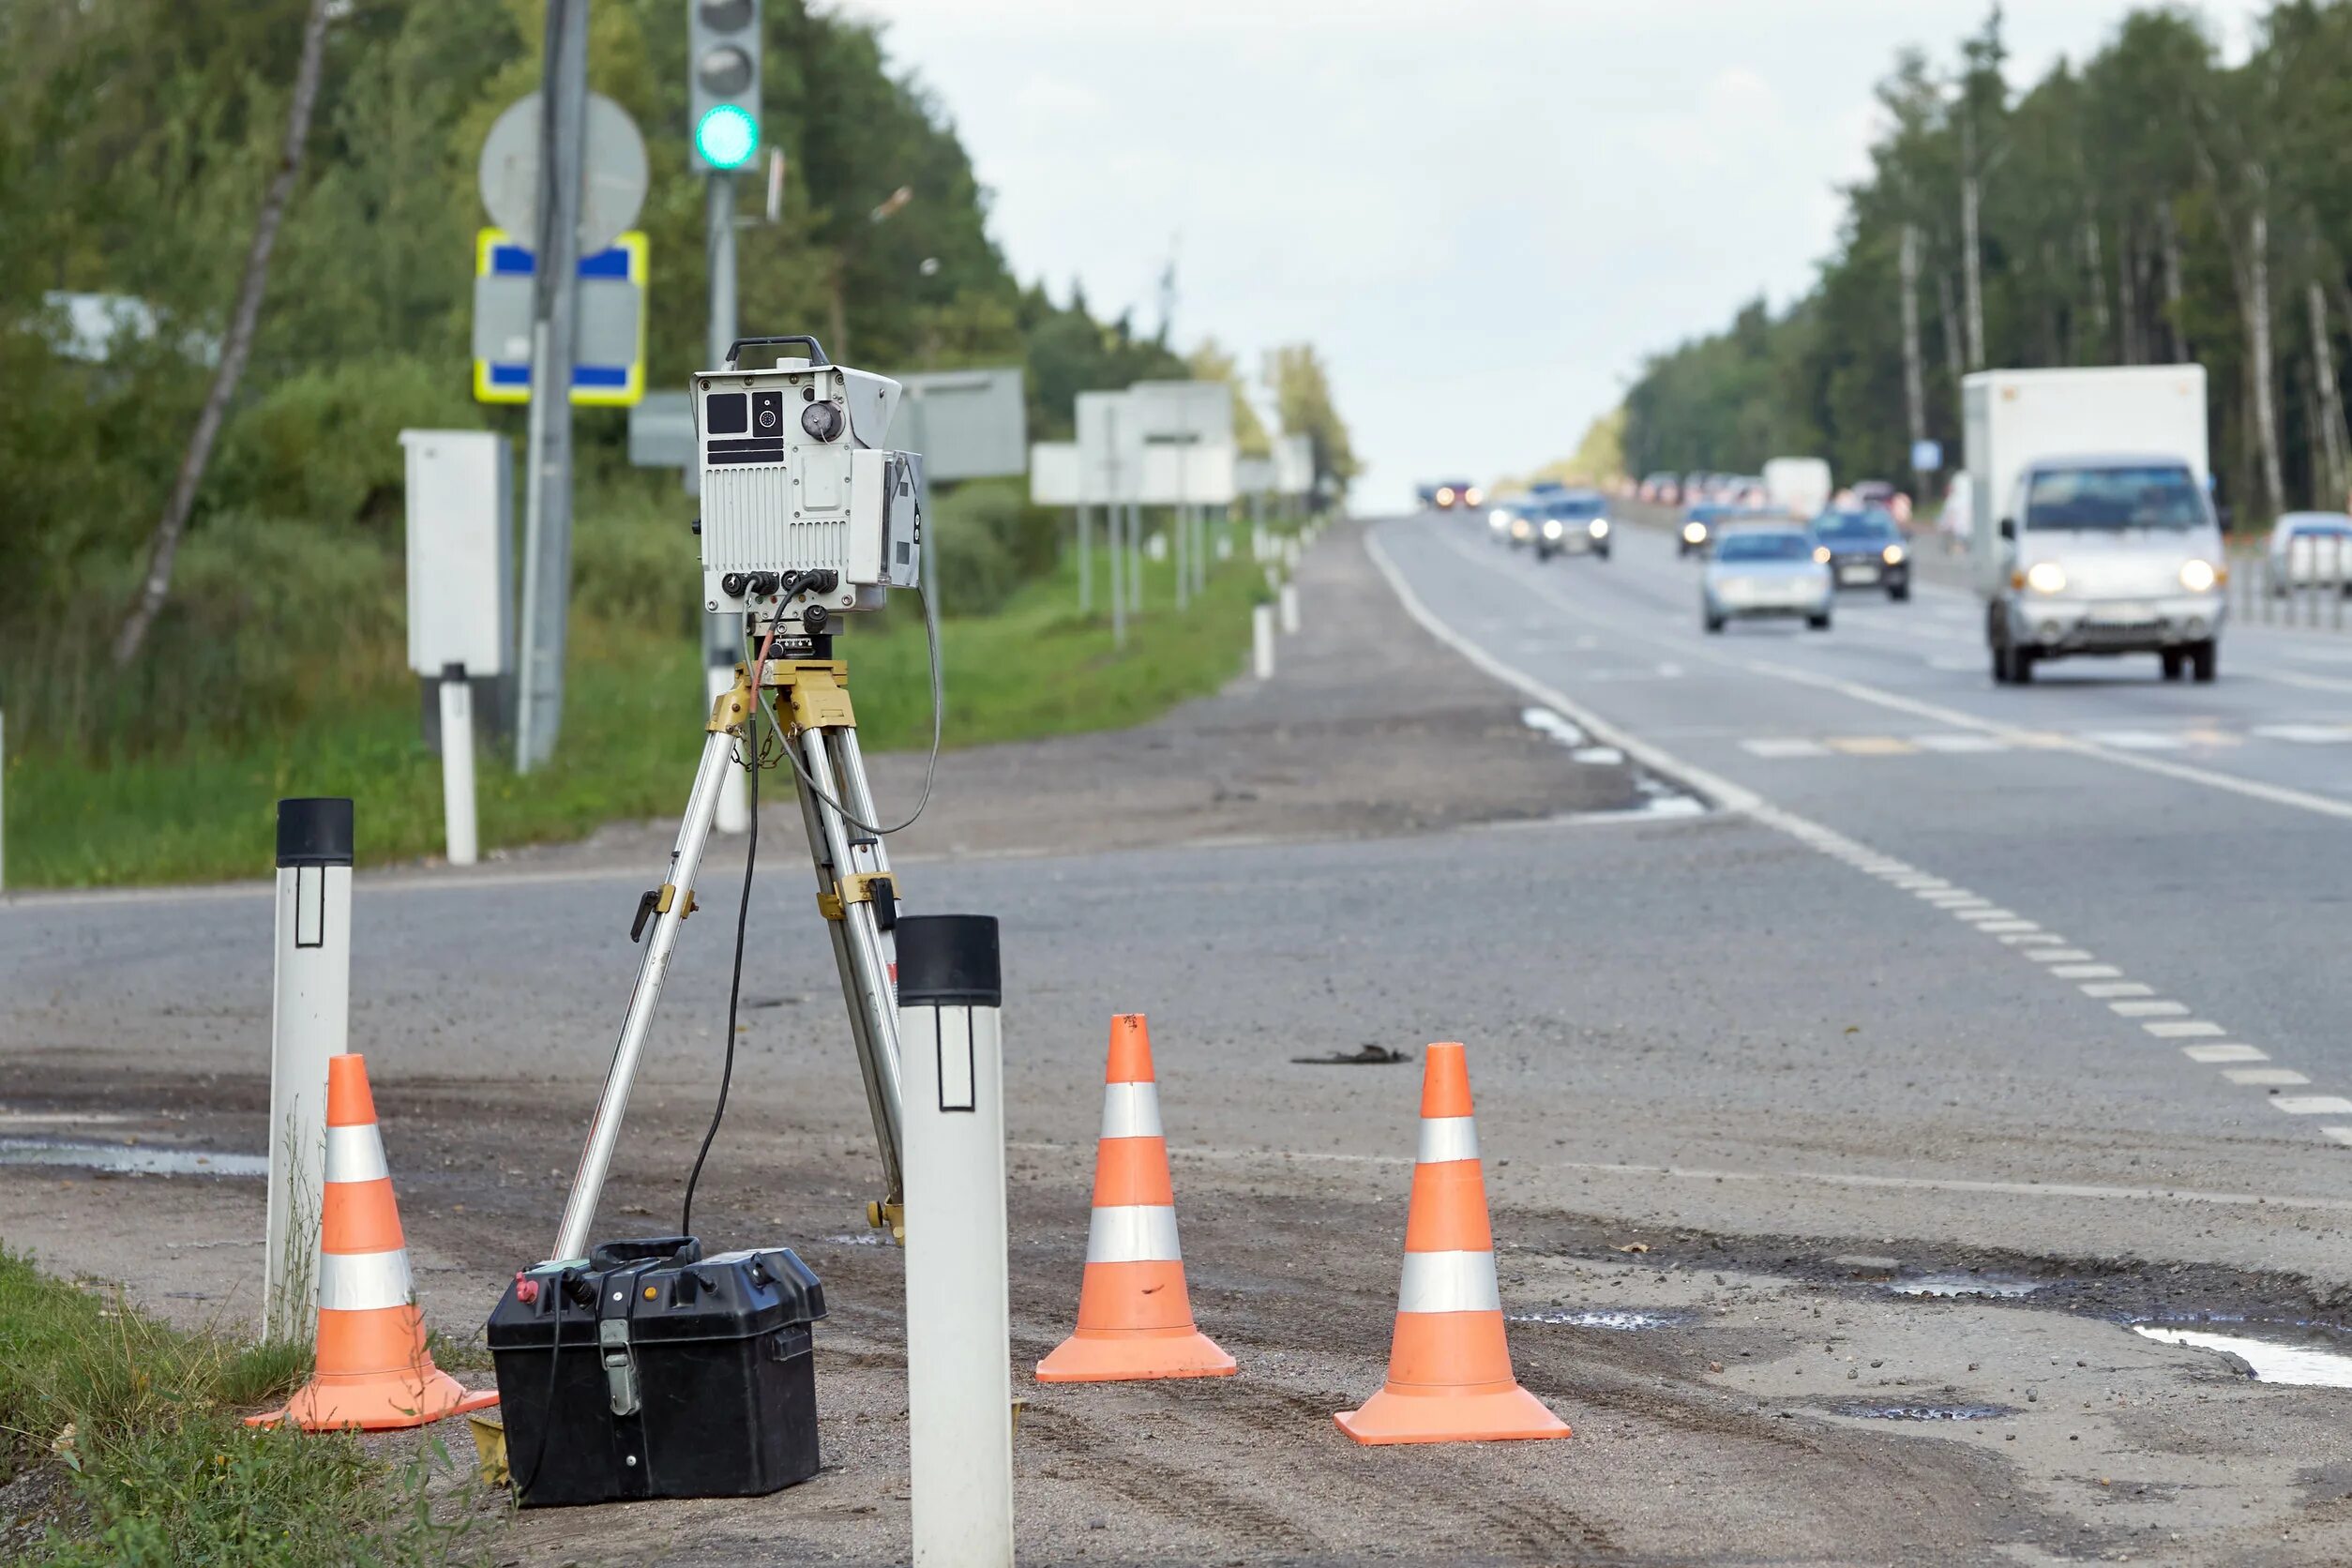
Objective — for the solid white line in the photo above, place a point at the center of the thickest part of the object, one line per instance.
(2224, 1053)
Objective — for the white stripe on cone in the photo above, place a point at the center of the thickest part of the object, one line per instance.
(1448, 1137)
(1131, 1110)
(1138, 1233)
(1449, 1282)
(365, 1281)
(355, 1154)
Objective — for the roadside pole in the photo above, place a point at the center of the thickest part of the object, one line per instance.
(959, 1381)
(723, 635)
(1085, 560)
(309, 1021)
(547, 571)
(457, 766)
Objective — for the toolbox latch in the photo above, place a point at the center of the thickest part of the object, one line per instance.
(620, 1365)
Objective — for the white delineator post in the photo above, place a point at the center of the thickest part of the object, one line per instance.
(959, 1379)
(1290, 599)
(1261, 641)
(457, 766)
(309, 1020)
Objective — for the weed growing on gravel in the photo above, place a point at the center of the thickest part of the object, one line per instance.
(147, 1420)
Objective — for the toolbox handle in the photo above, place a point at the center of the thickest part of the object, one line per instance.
(648, 1249)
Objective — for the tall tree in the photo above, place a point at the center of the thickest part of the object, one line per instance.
(235, 347)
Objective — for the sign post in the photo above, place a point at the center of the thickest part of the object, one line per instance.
(461, 585)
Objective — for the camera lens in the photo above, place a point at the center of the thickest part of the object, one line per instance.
(822, 420)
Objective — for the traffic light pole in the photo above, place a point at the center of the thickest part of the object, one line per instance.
(723, 635)
(547, 580)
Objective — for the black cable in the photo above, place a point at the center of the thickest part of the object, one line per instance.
(735, 985)
(547, 1406)
(930, 769)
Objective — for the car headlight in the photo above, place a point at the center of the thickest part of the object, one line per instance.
(1892, 555)
(1500, 517)
(2045, 577)
(2198, 577)
(1600, 528)
(1518, 528)
(1472, 496)
(1552, 528)
(1693, 533)
(1445, 495)
(1822, 553)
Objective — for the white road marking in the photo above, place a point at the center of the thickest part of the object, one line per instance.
(2259, 1076)
(1778, 749)
(2136, 740)
(1985, 914)
(2306, 734)
(1734, 797)
(1961, 743)
(2104, 989)
(1996, 927)
(2312, 1105)
(2148, 1009)
(2210, 1054)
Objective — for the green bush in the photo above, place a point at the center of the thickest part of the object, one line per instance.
(987, 540)
(324, 444)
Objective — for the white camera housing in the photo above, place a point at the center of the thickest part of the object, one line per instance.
(795, 480)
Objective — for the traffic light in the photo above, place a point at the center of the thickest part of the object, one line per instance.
(723, 71)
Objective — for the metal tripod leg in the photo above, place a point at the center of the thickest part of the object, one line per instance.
(849, 863)
(673, 902)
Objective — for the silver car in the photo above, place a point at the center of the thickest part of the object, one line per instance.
(1760, 572)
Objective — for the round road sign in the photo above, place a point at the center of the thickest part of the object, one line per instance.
(612, 181)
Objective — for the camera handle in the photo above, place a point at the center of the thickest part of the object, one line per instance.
(816, 349)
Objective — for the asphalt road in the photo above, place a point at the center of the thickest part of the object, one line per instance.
(1943, 983)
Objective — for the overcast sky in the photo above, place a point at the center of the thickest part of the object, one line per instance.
(1483, 213)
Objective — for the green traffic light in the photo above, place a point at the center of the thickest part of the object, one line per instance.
(726, 137)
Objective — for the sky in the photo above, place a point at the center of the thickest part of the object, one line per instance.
(1484, 214)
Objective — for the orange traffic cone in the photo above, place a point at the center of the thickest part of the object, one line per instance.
(1449, 1369)
(1134, 1318)
(373, 1370)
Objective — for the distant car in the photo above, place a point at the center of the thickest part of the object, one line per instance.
(2310, 549)
(1881, 492)
(1760, 572)
(1576, 523)
(1663, 490)
(1866, 549)
(1447, 494)
(1701, 526)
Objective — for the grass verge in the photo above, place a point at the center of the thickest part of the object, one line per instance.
(206, 811)
(140, 1424)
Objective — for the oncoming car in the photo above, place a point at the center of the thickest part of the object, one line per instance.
(1866, 550)
(2310, 549)
(1704, 523)
(1576, 523)
(1448, 495)
(1760, 572)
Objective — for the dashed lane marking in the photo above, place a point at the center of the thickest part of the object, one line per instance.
(1871, 746)
(2063, 962)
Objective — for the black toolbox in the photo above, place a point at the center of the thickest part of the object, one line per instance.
(656, 1372)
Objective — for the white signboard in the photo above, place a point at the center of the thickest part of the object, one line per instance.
(1253, 476)
(1110, 449)
(1054, 478)
(1184, 410)
(460, 552)
(1198, 474)
(1294, 465)
(967, 424)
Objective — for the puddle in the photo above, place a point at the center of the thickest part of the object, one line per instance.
(131, 1159)
(1961, 1284)
(1603, 1317)
(1923, 1413)
(2298, 1366)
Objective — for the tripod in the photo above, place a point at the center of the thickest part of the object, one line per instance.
(855, 893)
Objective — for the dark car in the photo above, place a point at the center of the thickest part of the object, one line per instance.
(1864, 548)
(1575, 522)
